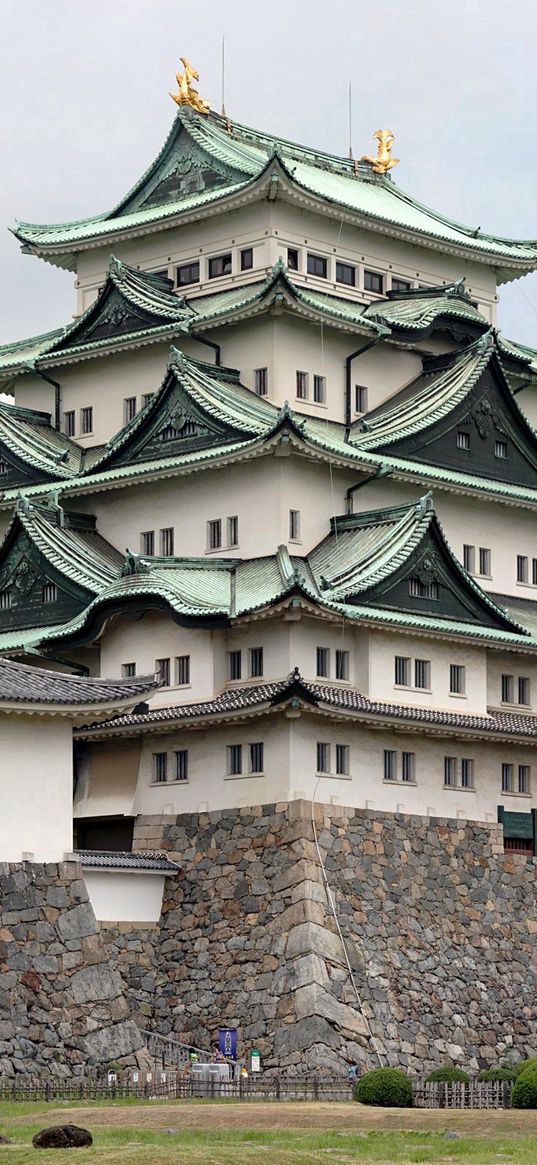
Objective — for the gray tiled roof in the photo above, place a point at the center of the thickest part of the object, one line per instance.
(100, 859)
(338, 698)
(20, 683)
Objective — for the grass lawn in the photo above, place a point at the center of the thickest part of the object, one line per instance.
(294, 1133)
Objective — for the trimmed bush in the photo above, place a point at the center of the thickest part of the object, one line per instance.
(524, 1094)
(525, 1064)
(387, 1087)
(490, 1075)
(448, 1075)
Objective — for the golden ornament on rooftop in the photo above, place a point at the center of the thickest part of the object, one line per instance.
(383, 161)
(187, 95)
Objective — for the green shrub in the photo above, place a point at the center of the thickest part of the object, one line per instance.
(387, 1087)
(525, 1064)
(448, 1075)
(491, 1074)
(524, 1094)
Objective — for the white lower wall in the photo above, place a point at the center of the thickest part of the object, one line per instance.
(36, 773)
(118, 896)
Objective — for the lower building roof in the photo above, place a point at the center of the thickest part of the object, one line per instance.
(143, 861)
(22, 684)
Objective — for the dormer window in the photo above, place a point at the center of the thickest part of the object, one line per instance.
(49, 593)
(5, 600)
(189, 429)
(170, 433)
(422, 590)
(3, 468)
(463, 441)
(500, 450)
(220, 265)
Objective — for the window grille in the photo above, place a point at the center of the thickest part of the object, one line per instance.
(323, 757)
(160, 767)
(181, 764)
(182, 670)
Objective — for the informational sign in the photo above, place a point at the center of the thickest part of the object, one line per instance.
(255, 1060)
(227, 1042)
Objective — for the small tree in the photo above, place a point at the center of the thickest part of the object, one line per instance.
(386, 1087)
(448, 1075)
(524, 1093)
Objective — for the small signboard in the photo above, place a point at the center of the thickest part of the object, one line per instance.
(255, 1060)
(227, 1042)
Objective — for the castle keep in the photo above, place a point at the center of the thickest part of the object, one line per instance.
(284, 461)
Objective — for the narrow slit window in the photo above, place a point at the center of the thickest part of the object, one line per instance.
(147, 542)
(160, 767)
(129, 409)
(342, 760)
(181, 764)
(234, 665)
(523, 778)
(234, 760)
(408, 766)
(69, 423)
(6, 600)
(294, 525)
(420, 590)
(450, 771)
(524, 690)
(463, 440)
(508, 689)
(507, 778)
(500, 450)
(323, 662)
(360, 398)
(214, 534)
(233, 531)
(457, 679)
(182, 671)
(302, 385)
(162, 670)
(342, 665)
(86, 420)
(166, 542)
(390, 764)
(422, 673)
(402, 671)
(128, 670)
(256, 757)
(319, 389)
(323, 757)
(261, 381)
(49, 593)
(467, 773)
(468, 558)
(521, 568)
(485, 562)
(256, 662)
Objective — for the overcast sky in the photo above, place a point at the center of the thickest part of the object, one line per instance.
(85, 108)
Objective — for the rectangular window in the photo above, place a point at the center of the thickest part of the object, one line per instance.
(234, 760)
(342, 665)
(49, 593)
(292, 259)
(463, 440)
(485, 561)
(214, 534)
(346, 273)
(507, 778)
(294, 525)
(146, 397)
(422, 673)
(234, 665)
(162, 670)
(319, 389)
(247, 259)
(302, 385)
(524, 690)
(181, 764)
(323, 757)
(400, 284)
(420, 590)
(256, 662)
(523, 778)
(467, 773)
(160, 767)
(128, 670)
(5, 600)
(521, 568)
(390, 764)
(3, 468)
(360, 398)
(508, 689)
(188, 273)
(323, 662)
(317, 265)
(166, 542)
(534, 571)
(408, 766)
(129, 409)
(69, 423)
(450, 771)
(402, 671)
(220, 265)
(342, 760)
(182, 670)
(86, 420)
(457, 679)
(147, 542)
(373, 282)
(233, 531)
(468, 558)
(261, 381)
(500, 450)
(256, 757)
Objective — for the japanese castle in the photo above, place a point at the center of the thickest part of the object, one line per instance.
(283, 459)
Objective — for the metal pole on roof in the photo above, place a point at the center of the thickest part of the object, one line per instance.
(350, 119)
(223, 70)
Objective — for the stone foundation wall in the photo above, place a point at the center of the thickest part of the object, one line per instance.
(62, 1006)
(439, 927)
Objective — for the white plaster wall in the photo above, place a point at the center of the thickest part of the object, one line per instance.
(382, 651)
(290, 769)
(503, 663)
(36, 771)
(157, 636)
(208, 786)
(124, 897)
(260, 493)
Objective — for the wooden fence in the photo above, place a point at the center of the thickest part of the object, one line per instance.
(171, 1086)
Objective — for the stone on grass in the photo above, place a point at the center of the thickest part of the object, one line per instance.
(62, 1137)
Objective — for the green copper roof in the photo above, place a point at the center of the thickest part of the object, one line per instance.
(208, 160)
(420, 310)
(31, 440)
(72, 547)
